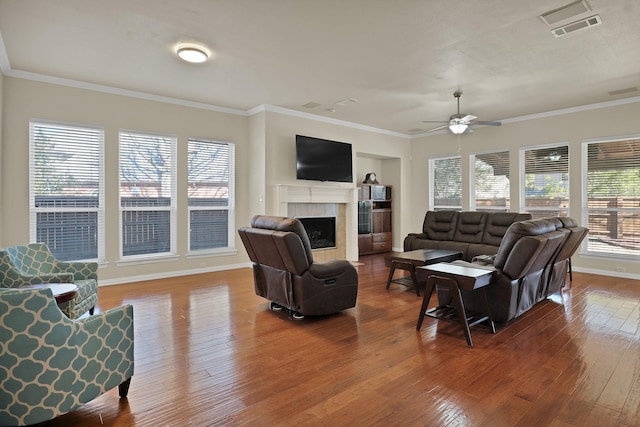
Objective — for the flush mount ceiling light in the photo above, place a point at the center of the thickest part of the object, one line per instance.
(192, 53)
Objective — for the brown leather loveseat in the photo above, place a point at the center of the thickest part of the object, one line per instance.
(285, 274)
(472, 233)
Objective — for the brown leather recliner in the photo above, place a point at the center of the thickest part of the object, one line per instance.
(284, 271)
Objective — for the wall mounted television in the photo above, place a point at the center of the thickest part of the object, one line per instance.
(323, 160)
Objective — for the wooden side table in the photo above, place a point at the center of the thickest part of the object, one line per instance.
(62, 292)
(411, 259)
(457, 278)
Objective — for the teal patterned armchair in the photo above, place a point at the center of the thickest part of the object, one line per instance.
(50, 364)
(33, 263)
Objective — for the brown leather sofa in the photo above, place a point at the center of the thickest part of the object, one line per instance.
(472, 233)
(531, 264)
(285, 274)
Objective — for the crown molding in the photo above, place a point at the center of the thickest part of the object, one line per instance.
(309, 116)
(5, 67)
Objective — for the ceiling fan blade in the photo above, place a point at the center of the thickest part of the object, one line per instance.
(488, 123)
(438, 128)
(435, 121)
(468, 118)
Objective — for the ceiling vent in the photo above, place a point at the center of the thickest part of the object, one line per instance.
(311, 105)
(577, 25)
(566, 12)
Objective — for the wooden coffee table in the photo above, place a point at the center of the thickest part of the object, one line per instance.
(411, 259)
(62, 292)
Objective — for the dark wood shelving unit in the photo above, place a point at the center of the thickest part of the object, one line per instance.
(374, 219)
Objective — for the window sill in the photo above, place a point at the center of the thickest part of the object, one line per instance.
(146, 260)
(211, 253)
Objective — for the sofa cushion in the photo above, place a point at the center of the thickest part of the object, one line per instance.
(516, 231)
(470, 227)
(497, 225)
(440, 225)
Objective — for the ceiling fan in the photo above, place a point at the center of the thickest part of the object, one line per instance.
(458, 123)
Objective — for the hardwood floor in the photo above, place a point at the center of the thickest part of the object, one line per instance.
(209, 352)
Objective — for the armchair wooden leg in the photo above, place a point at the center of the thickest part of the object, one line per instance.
(123, 388)
(91, 310)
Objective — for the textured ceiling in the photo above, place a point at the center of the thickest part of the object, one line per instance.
(401, 60)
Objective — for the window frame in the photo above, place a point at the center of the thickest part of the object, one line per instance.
(230, 207)
(584, 247)
(522, 171)
(172, 208)
(432, 184)
(99, 210)
(472, 182)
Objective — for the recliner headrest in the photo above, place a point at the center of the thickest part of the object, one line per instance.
(281, 223)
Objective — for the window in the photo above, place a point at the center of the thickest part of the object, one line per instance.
(491, 182)
(66, 189)
(147, 194)
(612, 199)
(545, 181)
(211, 195)
(446, 178)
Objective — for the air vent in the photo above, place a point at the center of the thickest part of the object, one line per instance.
(569, 11)
(311, 105)
(577, 25)
(346, 101)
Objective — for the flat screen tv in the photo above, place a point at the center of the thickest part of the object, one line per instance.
(323, 160)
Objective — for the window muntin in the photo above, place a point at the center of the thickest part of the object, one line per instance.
(545, 181)
(211, 195)
(611, 205)
(491, 187)
(446, 179)
(147, 194)
(66, 189)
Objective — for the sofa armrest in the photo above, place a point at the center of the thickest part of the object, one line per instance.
(80, 270)
(483, 259)
(408, 241)
(26, 280)
(108, 336)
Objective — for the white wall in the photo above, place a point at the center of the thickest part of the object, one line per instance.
(25, 100)
(393, 152)
(569, 129)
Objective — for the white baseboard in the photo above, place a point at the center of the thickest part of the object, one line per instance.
(607, 273)
(156, 276)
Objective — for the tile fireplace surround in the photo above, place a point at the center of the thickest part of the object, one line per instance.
(304, 200)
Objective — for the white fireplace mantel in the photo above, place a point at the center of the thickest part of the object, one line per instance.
(285, 194)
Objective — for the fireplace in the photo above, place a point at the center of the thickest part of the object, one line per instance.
(304, 201)
(321, 231)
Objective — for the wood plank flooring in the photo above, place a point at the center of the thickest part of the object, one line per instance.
(208, 352)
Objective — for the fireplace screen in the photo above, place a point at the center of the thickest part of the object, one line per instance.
(321, 231)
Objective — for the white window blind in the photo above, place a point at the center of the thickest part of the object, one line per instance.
(612, 208)
(147, 194)
(446, 179)
(491, 181)
(211, 195)
(545, 181)
(66, 197)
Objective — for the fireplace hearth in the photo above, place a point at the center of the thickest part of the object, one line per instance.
(321, 231)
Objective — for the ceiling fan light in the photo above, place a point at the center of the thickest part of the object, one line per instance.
(458, 128)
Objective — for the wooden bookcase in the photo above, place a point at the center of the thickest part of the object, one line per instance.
(374, 219)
